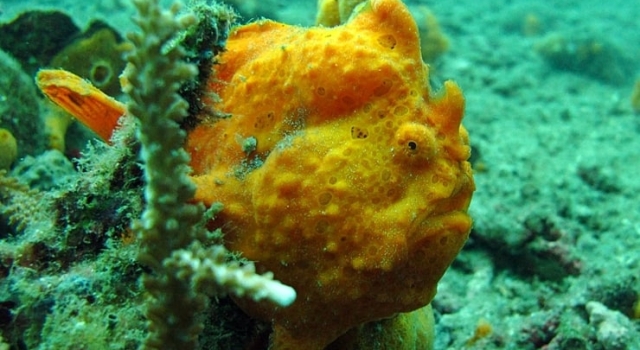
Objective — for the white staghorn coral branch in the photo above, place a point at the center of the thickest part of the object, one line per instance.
(212, 275)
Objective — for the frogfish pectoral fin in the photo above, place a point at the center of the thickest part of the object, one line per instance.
(92, 107)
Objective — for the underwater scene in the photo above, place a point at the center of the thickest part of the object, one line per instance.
(319, 174)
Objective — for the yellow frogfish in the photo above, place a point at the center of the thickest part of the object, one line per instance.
(339, 169)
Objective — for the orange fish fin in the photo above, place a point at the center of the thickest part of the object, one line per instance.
(92, 107)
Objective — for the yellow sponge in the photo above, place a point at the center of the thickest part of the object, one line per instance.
(9, 149)
(57, 121)
(405, 331)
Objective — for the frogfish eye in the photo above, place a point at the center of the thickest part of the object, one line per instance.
(416, 142)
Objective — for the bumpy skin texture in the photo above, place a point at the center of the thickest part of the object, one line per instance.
(356, 193)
